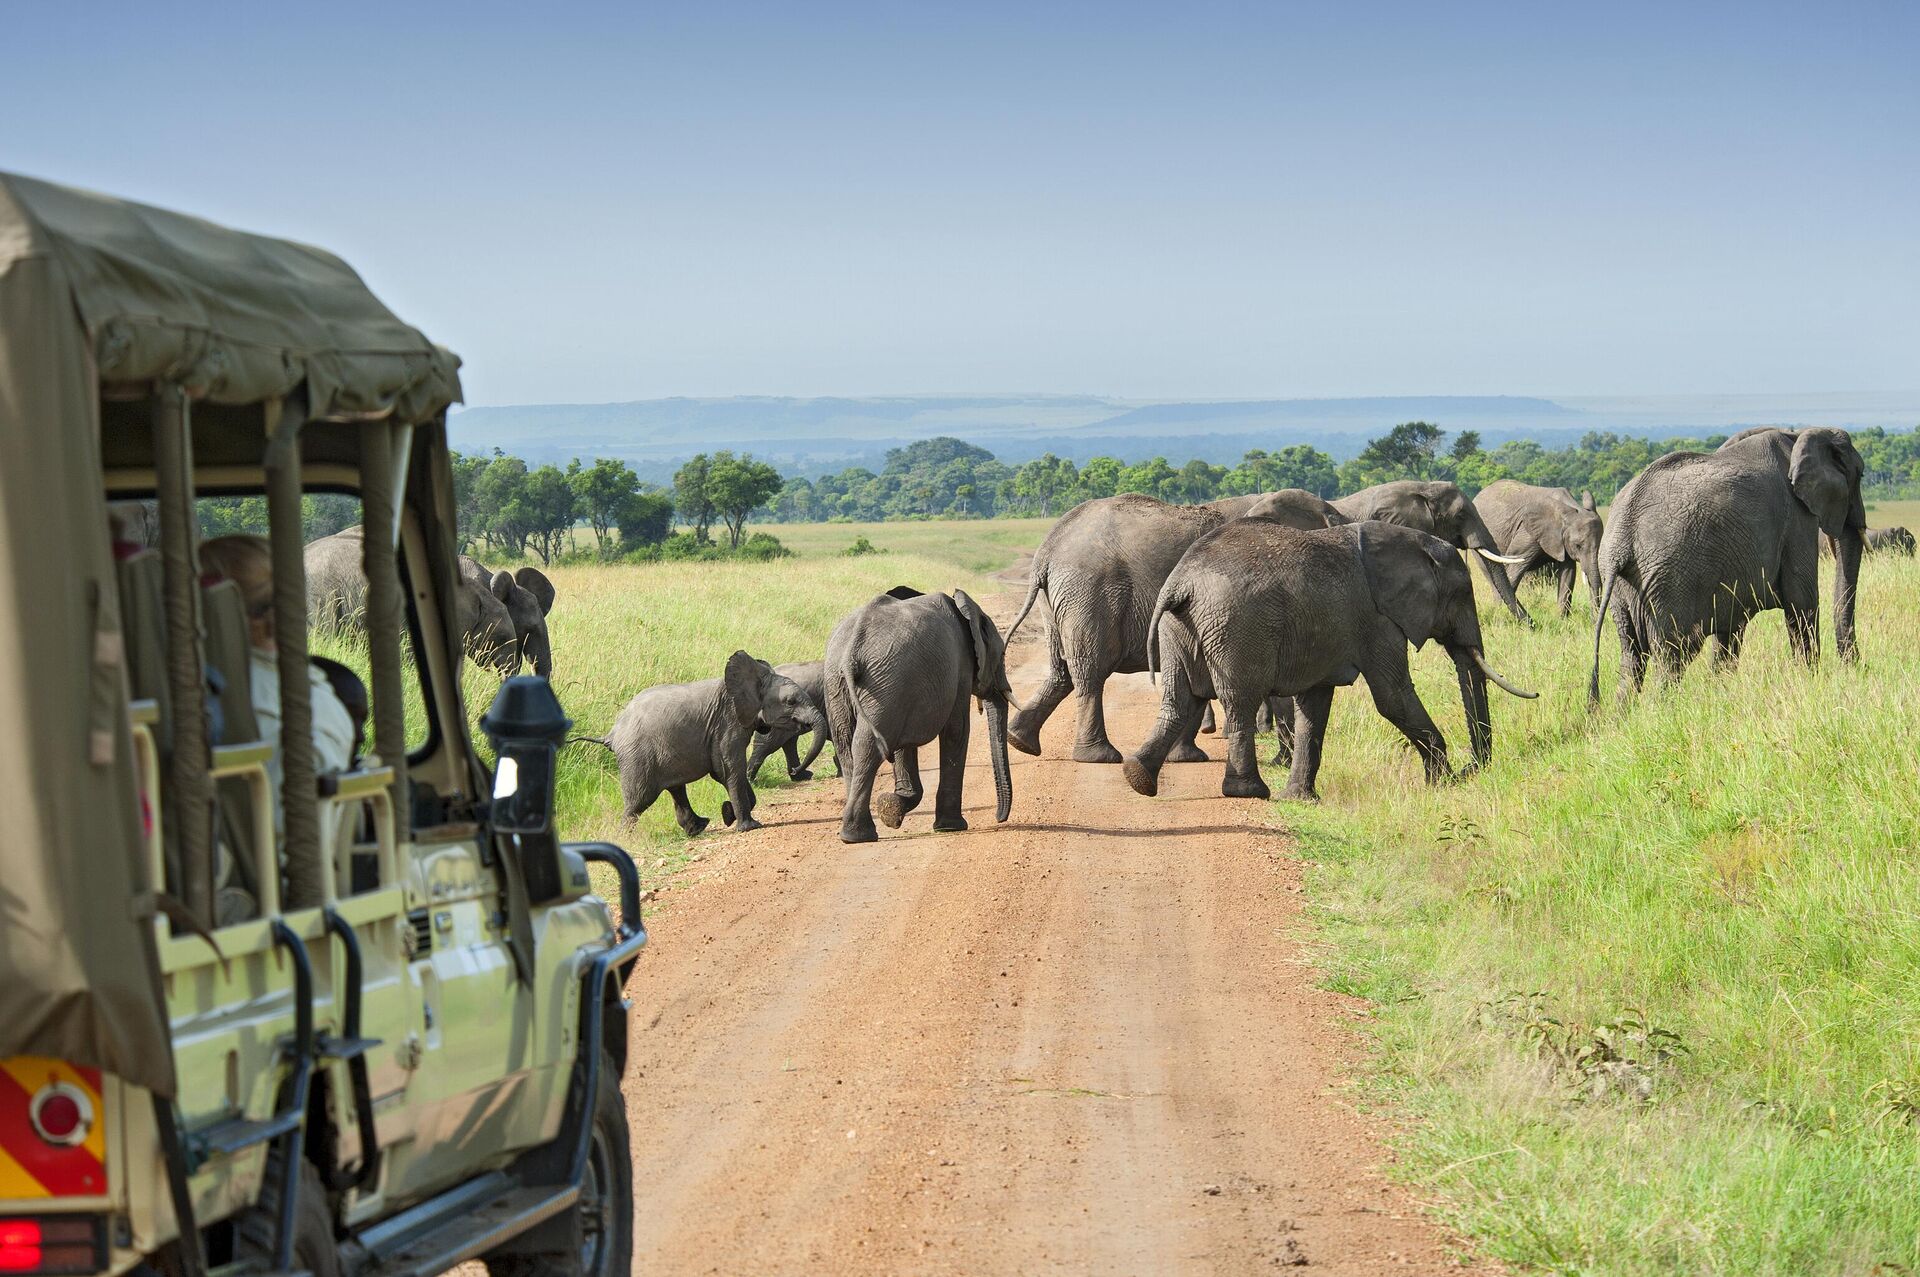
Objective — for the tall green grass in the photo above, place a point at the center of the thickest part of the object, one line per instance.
(1734, 860)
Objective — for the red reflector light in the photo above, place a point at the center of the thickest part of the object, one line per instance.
(61, 1114)
(73, 1244)
(59, 1117)
(19, 1245)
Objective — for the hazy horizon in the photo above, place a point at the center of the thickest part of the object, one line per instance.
(608, 203)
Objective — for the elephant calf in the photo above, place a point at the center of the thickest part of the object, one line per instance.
(669, 736)
(811, 678)
(900, 673)
(1256, 609)
(1890, 540)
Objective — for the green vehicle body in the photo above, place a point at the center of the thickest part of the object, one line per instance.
(412, 1065)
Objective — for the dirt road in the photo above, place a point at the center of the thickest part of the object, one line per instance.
(1083, 1041)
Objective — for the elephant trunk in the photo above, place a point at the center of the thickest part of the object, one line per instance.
(997, 746)
(1590, 565)
(1846, 578)
(1478, 538)
(1473, 698)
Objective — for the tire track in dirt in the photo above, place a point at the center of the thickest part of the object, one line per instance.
(1081, 1041)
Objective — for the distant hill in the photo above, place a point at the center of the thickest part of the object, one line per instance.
(815, 436)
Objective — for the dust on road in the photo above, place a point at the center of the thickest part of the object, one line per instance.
(1083, 1041)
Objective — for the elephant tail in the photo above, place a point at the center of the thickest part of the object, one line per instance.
(1173, 598)
(1036, 582)
(864, 707)
(1599, 624)
(601, 741)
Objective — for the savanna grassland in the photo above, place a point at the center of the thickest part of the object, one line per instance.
(1645, 993)
(1649, 986)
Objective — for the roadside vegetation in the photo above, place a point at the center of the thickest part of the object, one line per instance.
(1649, 987)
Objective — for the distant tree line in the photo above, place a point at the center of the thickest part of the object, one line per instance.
(510, 510)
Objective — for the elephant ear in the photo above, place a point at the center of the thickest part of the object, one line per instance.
(1548, 531)
(535, 582)
(1825, 474)
(903, 592)
(740, 687)
(1586, 502)
(1403, 574)
(982, 641)
(501, 586)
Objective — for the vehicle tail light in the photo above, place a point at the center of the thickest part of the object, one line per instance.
(53, 1244)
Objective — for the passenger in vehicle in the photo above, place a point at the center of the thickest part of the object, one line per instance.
(248, 563)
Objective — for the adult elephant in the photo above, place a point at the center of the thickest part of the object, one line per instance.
(1443, 510)
(1101, 567)
(1890, 541)
(1546, 528)
(1700, 542)
(503, 618)
(1257, 608)
(901, 671)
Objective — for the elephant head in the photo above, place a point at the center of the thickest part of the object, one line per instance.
(1442, 509)
(504, 618)
(1824, 470)
(1566, 532)
(1419, 583)
(761, 699)
(990, 686)
(1296, 508)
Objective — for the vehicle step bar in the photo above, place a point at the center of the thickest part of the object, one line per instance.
(461, 1224)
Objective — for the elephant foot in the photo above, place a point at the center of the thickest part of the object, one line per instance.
(697, 826)
(802, 774)
(859, 833)
(726, 813)
(1098, 752)
(1245, 787)
(1282, 758)
(1299, 794)
(891, 809)
(746, 824)
(1024, 743)
(1140, 778)
(1185, 753)
(1207, 729)
(953, 824)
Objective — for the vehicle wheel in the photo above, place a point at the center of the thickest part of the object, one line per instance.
(605, 1208)
(314, 1248)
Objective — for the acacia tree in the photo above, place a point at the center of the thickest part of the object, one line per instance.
(601, 492)
(690, 496)
(736, 487)
(547, 507)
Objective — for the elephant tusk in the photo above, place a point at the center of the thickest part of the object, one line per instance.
(1505, 686)
(1499, 558)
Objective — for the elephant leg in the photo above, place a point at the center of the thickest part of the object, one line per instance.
(1392, 686)
(737, 811)
(1311, 710)
(1634, 643)
(764, 743)
(1803, 634)
(892, 808)
(639, 798)
(1179, 717)
(1675, 652)
(1726, 648)
(1243, 763)
(690, 821)
(947, 817)
(863, 759)
(1023, 733)
(1208, 725)
(1090, 737)
(1564, 575)
(1280, 713)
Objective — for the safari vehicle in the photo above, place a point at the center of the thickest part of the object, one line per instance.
(387, 1040)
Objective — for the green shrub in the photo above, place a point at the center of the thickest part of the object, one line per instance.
(861, 546)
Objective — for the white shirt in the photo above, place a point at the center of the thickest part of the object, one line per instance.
(332, 726)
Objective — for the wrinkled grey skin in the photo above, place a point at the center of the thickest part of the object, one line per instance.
(901, 672)
(1699, 542)
(1890, 541)
(1442, 510)
(1258, 609)
(1101, 567)
(811, 678)
(669, 736)
(502, 618)
(1549, 529)
(509, 618)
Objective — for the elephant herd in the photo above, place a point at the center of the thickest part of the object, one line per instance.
(1263, 603)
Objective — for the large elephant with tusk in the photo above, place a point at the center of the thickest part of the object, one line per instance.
(1257, 609)
(1440, 509)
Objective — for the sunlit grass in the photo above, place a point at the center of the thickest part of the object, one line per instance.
(1738, 857)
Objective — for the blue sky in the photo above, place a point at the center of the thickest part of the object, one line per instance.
(1178, 201)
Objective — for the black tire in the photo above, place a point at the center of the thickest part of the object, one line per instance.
(605, 1208)
(314, 1247)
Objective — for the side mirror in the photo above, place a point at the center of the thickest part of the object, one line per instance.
(526, 726)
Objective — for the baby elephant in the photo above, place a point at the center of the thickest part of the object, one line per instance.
(1897, 540)
(811, 678)
(900, 673)
(672, 735)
